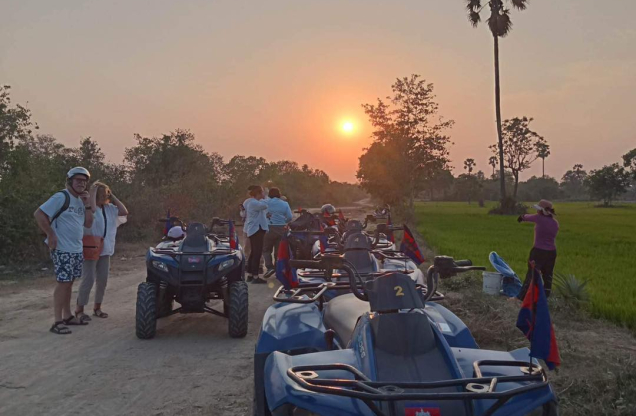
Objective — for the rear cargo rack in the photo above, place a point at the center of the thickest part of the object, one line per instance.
(368, 391)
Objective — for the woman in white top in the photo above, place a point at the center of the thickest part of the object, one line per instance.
(105, 223)
(255, 227)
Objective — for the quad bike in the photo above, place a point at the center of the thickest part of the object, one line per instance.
(367, 253)
(200, 268)
(386, 349)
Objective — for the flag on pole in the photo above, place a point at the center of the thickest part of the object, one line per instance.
(234, 241)
(284, 272)
(534, 321)
(168, 225)
(410, 248)
(390, 236)
(341, 217)
(324, 242)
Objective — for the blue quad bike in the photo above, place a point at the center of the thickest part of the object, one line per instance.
(386, 349)
(193, 271)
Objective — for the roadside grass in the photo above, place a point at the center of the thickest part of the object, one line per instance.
(594, 244)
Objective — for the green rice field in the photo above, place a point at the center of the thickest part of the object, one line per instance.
(595, 244)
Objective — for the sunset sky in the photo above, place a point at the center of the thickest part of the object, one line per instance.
(279, 78)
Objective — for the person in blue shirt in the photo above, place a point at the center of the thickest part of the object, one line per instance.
(279, 215)
(256, 225)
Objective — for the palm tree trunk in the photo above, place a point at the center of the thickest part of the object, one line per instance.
(543, 164)
(502, 178)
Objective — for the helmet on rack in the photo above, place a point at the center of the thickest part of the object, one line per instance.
(78, 171)
(327, 209)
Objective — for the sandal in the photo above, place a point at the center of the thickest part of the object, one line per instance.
(72, 320)
(57, 328)
(98, 313)
(83, 317)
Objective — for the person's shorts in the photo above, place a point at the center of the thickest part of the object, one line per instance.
(68, 266)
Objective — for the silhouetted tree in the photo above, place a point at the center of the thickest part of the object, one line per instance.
(519, 146)
(492, 161)
(608, 183)
(469, 165)
(500, 25)
(543, 151)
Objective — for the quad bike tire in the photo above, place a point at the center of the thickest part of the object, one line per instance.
(146, 314)
(237, 309)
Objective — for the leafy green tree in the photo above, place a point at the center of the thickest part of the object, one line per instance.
(573, 183)
(537, 188)
(519, 146)
(15, 124)
(500, 25)
(409, 143)
(608, 183)
(543, 151)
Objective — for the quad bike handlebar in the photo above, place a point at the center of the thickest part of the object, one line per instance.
(445, 267)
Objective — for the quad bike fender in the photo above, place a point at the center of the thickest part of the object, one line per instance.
(454, 330)
(518, 405)
(292, 326)
(283, 394)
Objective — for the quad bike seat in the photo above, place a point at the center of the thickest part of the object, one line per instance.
(357, 250)
(195, 241)
(342, 313)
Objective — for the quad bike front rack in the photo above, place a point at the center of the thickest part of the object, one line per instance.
(476, 388)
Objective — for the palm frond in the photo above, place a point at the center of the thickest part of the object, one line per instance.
(473, 5)
(474, 18)
(571, 289)
(500, 23)
(519, 4)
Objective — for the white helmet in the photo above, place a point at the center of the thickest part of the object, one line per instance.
(328, 209)
(78, 171)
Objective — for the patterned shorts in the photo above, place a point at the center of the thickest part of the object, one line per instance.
(68, 266)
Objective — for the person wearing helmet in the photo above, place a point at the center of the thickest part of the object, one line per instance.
(63, 218)
(328, 212)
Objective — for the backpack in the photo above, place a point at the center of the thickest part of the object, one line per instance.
(67, 202)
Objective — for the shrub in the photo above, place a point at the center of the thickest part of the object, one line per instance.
(571, 289)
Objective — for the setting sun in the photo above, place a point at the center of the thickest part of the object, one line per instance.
(347, 127)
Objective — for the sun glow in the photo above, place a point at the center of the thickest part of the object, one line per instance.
(347, 127)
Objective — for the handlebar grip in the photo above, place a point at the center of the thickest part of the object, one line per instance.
(463, 263)
(305, 264)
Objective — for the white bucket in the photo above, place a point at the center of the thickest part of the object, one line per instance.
(492, 283)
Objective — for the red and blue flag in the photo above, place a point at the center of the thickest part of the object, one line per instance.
(284, 272)
(410, 248)
(234, 241)
(534, 321)
(323, 239)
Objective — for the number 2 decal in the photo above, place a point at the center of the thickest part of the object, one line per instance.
(399, 291)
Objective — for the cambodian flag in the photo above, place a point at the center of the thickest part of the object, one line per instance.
(534, 321)
(166, 228)
(234, 241)
(284, 272)
(324, 241)
(341, 217)
(390, 234)
(410, 248)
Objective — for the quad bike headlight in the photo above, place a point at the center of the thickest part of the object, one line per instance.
(226, 264)
(159, 265)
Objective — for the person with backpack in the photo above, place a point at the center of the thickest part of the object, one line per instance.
(63, 218)
(99, 246)
(256, 225)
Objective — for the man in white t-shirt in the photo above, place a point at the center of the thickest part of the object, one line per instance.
(63, 218)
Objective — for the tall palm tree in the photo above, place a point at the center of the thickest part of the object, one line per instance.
(500, 25)
(469, 164)
(543, 151)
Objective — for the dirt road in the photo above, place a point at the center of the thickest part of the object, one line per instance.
(192, 367)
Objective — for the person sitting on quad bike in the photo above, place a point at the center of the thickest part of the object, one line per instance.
(328, 215)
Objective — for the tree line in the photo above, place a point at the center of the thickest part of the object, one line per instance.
(170, 172)
(409, 159)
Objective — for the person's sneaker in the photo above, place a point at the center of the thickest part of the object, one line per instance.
(269, 273)
(258, 280)
(249, 278)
